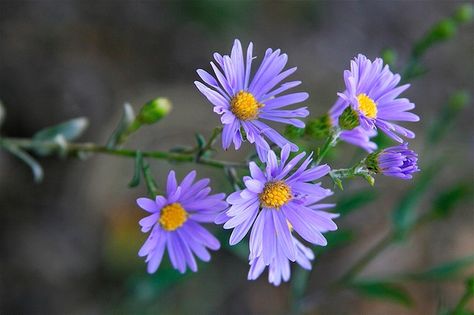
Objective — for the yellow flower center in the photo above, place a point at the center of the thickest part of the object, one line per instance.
(367, 105)
(172, 216)
(244, 106)
(275, 194)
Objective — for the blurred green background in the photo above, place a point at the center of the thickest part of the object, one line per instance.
(69, 245)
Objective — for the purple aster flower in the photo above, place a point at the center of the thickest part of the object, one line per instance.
(397, 161)
(274, 198)
(174, 223)
(372, 91)
(358, 136)
(243, 101)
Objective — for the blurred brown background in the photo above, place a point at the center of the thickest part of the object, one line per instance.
(69, 244)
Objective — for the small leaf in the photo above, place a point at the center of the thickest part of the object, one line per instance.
(201, 141)
(138, 170)
(447, 200)
(444, 271)
(349, 203)
(28, 159)
(69, 130)
(369, 178)
(128, 117)
(385, 291)
(150, 182)
(337, 181)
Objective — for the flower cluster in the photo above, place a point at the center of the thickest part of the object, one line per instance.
(280, 204)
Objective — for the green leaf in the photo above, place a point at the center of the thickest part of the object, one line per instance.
(385, 291)
(444, 271)
(117, 137)
(447, 200)
(150, 182)
(404, 215)
(28, 159)
(69, 130)
(59, 134)
(138, 170)
(349, 203)
(200, 140)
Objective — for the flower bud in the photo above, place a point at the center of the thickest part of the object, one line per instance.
(464, 13)
(154, 111)
(389, 56)
(349, 119)
(444, 29)
(398, 161)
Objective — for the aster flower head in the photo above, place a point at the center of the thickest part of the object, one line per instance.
(243, 100)
(357, 136)
(273, 199)
(397, 161)
(372, 92)
(174, 222)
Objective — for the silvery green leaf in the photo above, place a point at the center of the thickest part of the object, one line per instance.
(28, 159)
(69, 130)
(127, 119)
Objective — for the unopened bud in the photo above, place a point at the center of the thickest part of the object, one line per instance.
(459, 100)
(154, 111)
(444, 29)
(389, 56)
(464, 13)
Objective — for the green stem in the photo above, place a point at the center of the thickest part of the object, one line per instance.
(76, 148)
(215, 133)
(330, 143)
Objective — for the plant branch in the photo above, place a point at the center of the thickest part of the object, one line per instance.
(331, 142)
(75, 149)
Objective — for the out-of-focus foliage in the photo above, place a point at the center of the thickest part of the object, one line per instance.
(384, 290)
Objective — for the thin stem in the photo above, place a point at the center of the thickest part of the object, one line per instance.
(330, 143)
(76, 148)
(215, 133)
